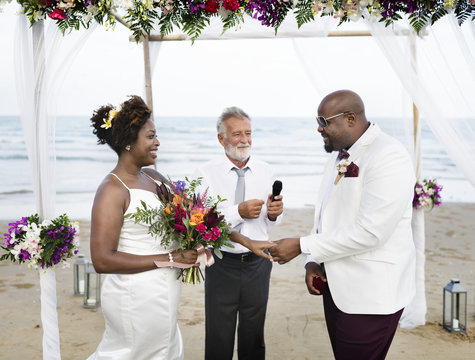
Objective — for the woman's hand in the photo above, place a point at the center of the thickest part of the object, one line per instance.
(185, 256)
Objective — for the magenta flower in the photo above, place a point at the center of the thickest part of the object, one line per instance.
(201, 228)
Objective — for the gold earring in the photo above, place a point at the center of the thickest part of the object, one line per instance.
(127, 147)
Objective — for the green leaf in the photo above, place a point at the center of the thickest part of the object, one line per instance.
(303, 12)
(218, 253)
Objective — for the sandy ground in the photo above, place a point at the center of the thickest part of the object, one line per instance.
(295, 326)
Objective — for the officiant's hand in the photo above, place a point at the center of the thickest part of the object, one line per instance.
(313, 270)
(257, 247)
(250, 209)
(274, 208)
(285, 250)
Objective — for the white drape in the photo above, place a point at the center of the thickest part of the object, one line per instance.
(42, 61)
(441, 82)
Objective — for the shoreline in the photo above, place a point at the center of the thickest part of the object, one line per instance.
(295, 326)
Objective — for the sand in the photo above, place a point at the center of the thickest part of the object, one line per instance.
(295, 326)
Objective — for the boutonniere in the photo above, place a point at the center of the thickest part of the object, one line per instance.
(347, 169)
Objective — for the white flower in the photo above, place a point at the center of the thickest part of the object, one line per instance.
(65, 4)
(125, 4)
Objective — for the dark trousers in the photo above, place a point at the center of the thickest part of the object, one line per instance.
(236, 290)
(359, 336)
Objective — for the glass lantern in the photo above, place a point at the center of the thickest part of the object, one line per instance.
(80, 274)
(454, 312)
(92, 291)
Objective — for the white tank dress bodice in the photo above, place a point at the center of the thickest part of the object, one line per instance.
(140, 310)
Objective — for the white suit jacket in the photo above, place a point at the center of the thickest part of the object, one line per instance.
(366, 239)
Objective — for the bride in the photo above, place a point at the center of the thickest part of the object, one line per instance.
(139, 300)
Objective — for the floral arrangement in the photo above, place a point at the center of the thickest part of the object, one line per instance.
(346, 168)
(186, 217)
(44, 245)
(192, 16)
(427, 195)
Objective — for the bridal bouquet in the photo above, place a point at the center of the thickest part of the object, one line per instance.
(189, 218)
(43, 244)
(426, 195)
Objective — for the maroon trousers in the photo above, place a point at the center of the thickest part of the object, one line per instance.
(359, 336)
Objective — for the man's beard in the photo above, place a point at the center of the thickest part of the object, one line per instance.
(238, 153)
(328, 147)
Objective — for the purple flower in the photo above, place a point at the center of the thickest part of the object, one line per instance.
(23, 255)
(195, 7)
(179, 185)
(268, 12)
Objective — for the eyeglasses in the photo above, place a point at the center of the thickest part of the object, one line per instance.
(323, 122)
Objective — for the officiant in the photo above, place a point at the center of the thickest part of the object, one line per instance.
(237, 286)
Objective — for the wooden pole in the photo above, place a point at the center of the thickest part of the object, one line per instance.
(148, 73)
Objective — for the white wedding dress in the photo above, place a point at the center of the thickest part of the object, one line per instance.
(140, 310)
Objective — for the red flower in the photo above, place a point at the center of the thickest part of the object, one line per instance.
(232, 5)
(57, 14)
(180, 229)
(211, 6)
(201, 228)
(352, 170)
(46, 2)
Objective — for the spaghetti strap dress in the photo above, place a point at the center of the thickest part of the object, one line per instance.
(140, 310)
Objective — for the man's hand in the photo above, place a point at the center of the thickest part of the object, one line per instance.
(274, 208)
(285, 250)
(313, 270)
(257, 247)
(250, 209)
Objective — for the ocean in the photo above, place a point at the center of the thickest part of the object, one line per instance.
(291, 145)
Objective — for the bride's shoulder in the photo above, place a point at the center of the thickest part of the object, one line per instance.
(155, 175)
(111, 185)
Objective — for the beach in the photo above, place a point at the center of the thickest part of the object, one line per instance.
(295, 325)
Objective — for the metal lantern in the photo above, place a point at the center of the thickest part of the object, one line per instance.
(80, 274)
(454, 312)
(92, 291)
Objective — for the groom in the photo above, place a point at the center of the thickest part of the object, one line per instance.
(361, 253)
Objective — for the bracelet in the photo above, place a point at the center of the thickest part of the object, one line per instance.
(170, 257)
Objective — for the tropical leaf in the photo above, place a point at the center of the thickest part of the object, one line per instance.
(303, 12)
(418, 21)
(438, 14)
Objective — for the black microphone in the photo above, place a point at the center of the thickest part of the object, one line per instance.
(276, 189)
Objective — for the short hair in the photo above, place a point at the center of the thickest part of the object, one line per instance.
(227, 113)
(126, 124)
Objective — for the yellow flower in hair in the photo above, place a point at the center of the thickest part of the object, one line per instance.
(112, 114)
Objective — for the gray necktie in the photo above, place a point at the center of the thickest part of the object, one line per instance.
(240, 190)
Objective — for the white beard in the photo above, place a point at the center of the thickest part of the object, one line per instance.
(238, 153)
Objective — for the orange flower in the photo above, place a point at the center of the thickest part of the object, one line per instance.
(177, 199)
(196, 219)
(167, 209)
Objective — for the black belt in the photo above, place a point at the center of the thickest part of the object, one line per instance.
(243, 257)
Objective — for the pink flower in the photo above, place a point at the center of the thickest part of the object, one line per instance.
(343, 169)
(207, 236)
(216, 231)
(57, 14)
(201, 228)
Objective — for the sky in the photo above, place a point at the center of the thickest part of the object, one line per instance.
(264, 77)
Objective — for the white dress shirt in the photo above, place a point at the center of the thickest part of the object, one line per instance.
(220, 179)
